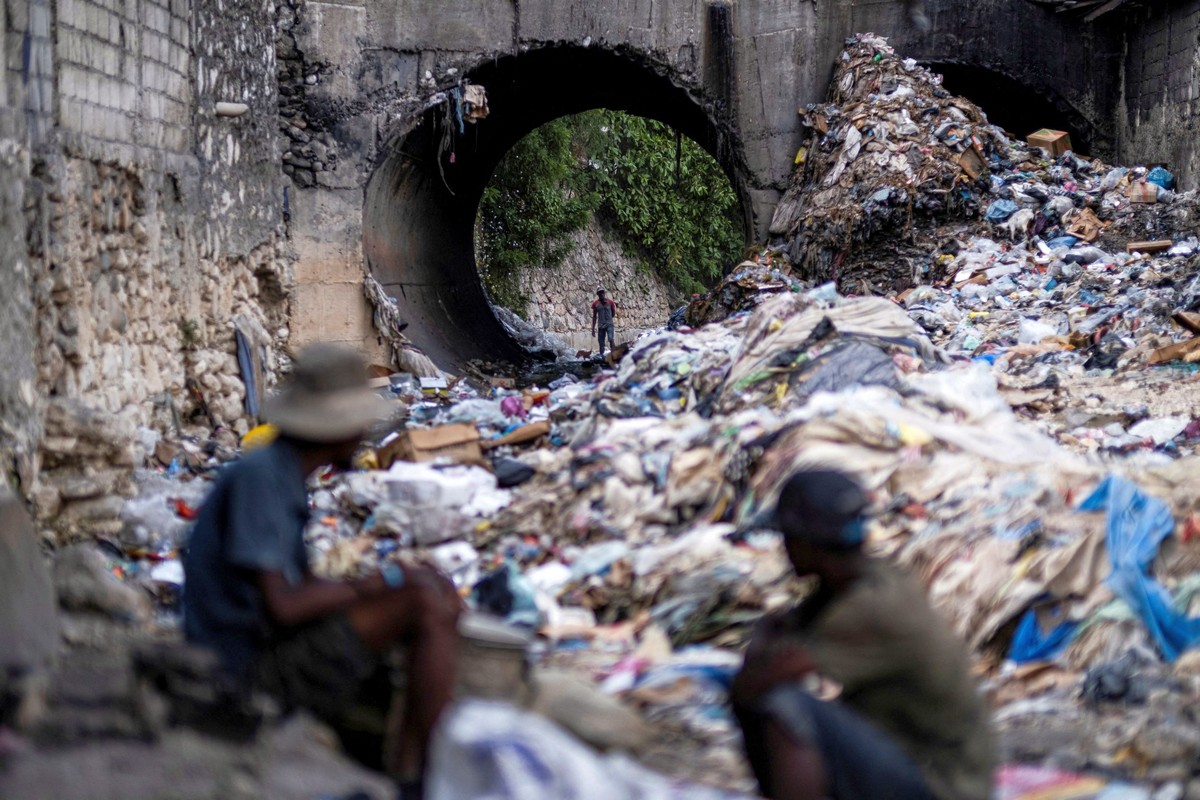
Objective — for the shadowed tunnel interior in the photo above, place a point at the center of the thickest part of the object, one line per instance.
(421, 202)
(1012, 105)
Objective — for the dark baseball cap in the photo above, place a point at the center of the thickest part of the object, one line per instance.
(823, 507)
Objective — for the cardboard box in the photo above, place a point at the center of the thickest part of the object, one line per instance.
(458, 444)
(1084, 224)
(1054, 142)
(1142, 192)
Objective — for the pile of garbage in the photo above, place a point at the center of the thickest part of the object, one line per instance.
(1018, 408)
(617, 518)
(897, 170)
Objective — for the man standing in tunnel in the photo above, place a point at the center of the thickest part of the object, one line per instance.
(604, 311)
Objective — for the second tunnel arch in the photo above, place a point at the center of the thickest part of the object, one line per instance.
(1019, 106)
(421, 201)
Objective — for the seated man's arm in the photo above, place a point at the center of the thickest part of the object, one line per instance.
(772, 657)
(313, 598)
(265, 538)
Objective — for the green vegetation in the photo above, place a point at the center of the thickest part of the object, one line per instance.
(674, 209)
(529, 210)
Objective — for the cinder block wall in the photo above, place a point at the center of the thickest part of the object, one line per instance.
(138, 226)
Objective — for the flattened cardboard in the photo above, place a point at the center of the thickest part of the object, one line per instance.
(458, 443)
(523, 434)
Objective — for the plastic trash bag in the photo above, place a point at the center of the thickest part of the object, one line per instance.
(1137, 523)
(1162, 177)
(1032, 331)
(1000, 210)
(510, 472)
(507, 593)
(486, 750)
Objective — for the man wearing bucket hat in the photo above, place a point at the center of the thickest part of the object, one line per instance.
(251, 597)
(908, 724)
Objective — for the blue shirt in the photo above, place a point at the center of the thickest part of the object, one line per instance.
(252, 521)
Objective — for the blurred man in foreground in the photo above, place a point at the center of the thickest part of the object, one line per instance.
(909, 724)
(251, 596)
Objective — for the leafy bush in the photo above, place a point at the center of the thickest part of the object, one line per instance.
(667, 199)
(529, 210)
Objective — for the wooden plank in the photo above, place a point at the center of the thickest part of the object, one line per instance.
(1112, 5)
(1189, 320)
(1156, 246)
(1180, 351)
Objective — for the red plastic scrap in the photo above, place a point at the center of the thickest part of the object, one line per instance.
(183, 509)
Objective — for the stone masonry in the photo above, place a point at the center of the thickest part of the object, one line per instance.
(559, 299)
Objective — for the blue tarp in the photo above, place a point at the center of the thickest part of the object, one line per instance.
(1031, 644)
(1137, 524)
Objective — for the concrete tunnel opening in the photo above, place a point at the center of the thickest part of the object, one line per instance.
(422, 199)
(1013, 105)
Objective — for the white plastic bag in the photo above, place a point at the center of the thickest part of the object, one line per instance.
(487, 750)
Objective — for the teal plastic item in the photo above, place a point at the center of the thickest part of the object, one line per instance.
(1162, 177)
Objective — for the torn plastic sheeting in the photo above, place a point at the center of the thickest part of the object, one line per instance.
(597, 558)
(1031, 643)
(853, 363)
(1136, 525)
(780, 326)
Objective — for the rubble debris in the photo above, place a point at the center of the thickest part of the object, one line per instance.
(84, 582)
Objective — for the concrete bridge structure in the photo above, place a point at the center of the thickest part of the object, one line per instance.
(730, 74)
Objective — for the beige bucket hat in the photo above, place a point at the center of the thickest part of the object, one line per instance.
(326, 398)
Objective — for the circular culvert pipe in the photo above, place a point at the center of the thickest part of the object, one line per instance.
(422, 200)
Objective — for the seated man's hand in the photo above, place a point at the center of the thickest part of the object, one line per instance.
(768, 665)
(432, 579)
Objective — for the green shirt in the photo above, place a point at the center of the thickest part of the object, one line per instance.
(901, 666)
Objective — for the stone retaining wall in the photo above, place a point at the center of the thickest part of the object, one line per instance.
(139, 224)
(560, 299)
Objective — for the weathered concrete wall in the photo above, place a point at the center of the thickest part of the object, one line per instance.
(326, 195)
(19, 427)
(560, 298)
(26, 86)
(1159, 118)
(1072, 65)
